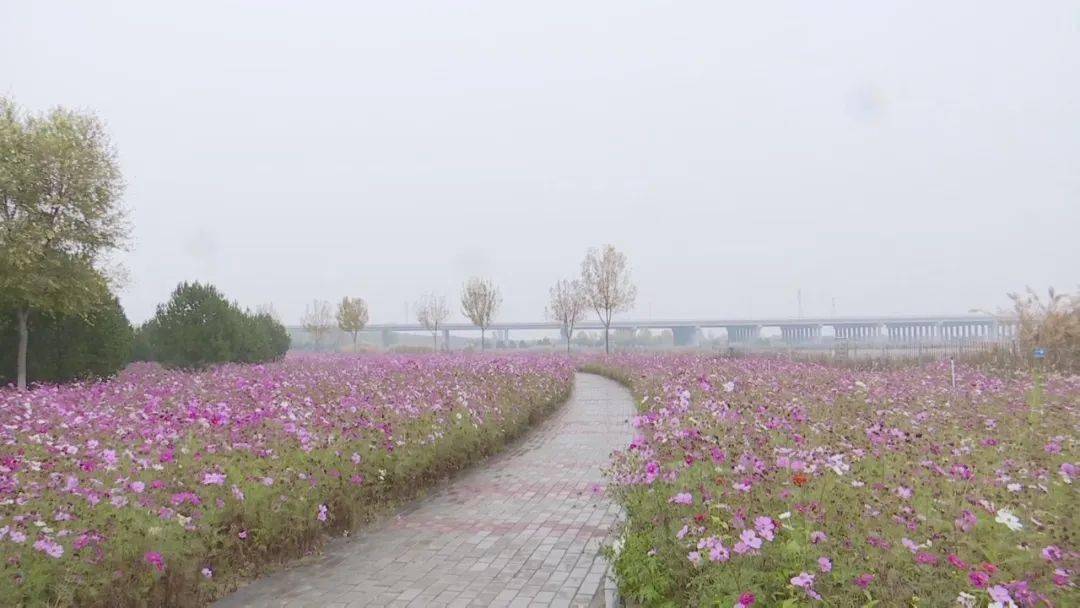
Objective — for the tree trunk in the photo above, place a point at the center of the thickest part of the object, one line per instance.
(481, 339)
(24, 336)
(607, 346)
(435, 340)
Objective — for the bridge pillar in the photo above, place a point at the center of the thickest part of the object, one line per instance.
(686, 336)
(388, 338)
(800, 334)
(742, 334)
(893, 332)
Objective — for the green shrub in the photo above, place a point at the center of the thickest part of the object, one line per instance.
(199, 327)
(69, 347)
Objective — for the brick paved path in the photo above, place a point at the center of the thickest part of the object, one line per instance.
(522, 529)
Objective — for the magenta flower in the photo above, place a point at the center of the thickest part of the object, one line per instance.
(979, 579)
(746, 600)
(824, 564)
(322, 513)
(863, 580)
(155, 559)
(926, 559)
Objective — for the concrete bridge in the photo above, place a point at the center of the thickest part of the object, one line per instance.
(794, 331)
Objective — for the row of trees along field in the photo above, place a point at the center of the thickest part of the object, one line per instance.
(60, 217)
(604, 286)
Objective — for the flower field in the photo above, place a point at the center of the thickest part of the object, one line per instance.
(166, 487)
(770, 483)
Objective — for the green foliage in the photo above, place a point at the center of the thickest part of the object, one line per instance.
(60, 188)
(70, 347)
(199, 327)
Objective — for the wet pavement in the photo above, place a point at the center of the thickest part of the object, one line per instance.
(524, 528)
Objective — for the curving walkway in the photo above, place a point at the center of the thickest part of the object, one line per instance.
(522, 529)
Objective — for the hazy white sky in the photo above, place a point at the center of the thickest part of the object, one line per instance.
(900, 157)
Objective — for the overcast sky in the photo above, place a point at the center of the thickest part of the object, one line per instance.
(896, 157)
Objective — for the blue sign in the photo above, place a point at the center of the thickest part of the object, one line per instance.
(1040, 353)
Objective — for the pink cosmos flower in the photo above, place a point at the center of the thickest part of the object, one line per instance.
(966, 522)
(1001, 595)
(864, 580)
(652, 471)
(138, 487)
(818, 536)
(1052, 553)
(926, 559)
(682, 498)
(805, 581)
(956, 562)
(748, 541)
(211, 478)
(155, 559)
(694, 557)
(746, 600)
(49, 547)
(979, 579)
(322, 513)
(765, 526)
(207, 572)
(824, 564)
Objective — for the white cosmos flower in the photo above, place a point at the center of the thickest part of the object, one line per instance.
(966, 600)
(1005, 516)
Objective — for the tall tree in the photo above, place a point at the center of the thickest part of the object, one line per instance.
(352, 316)
(431, 312)
(317, 321)
(567, 305)
(606, 279)
(60, 188)
(480, 300)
